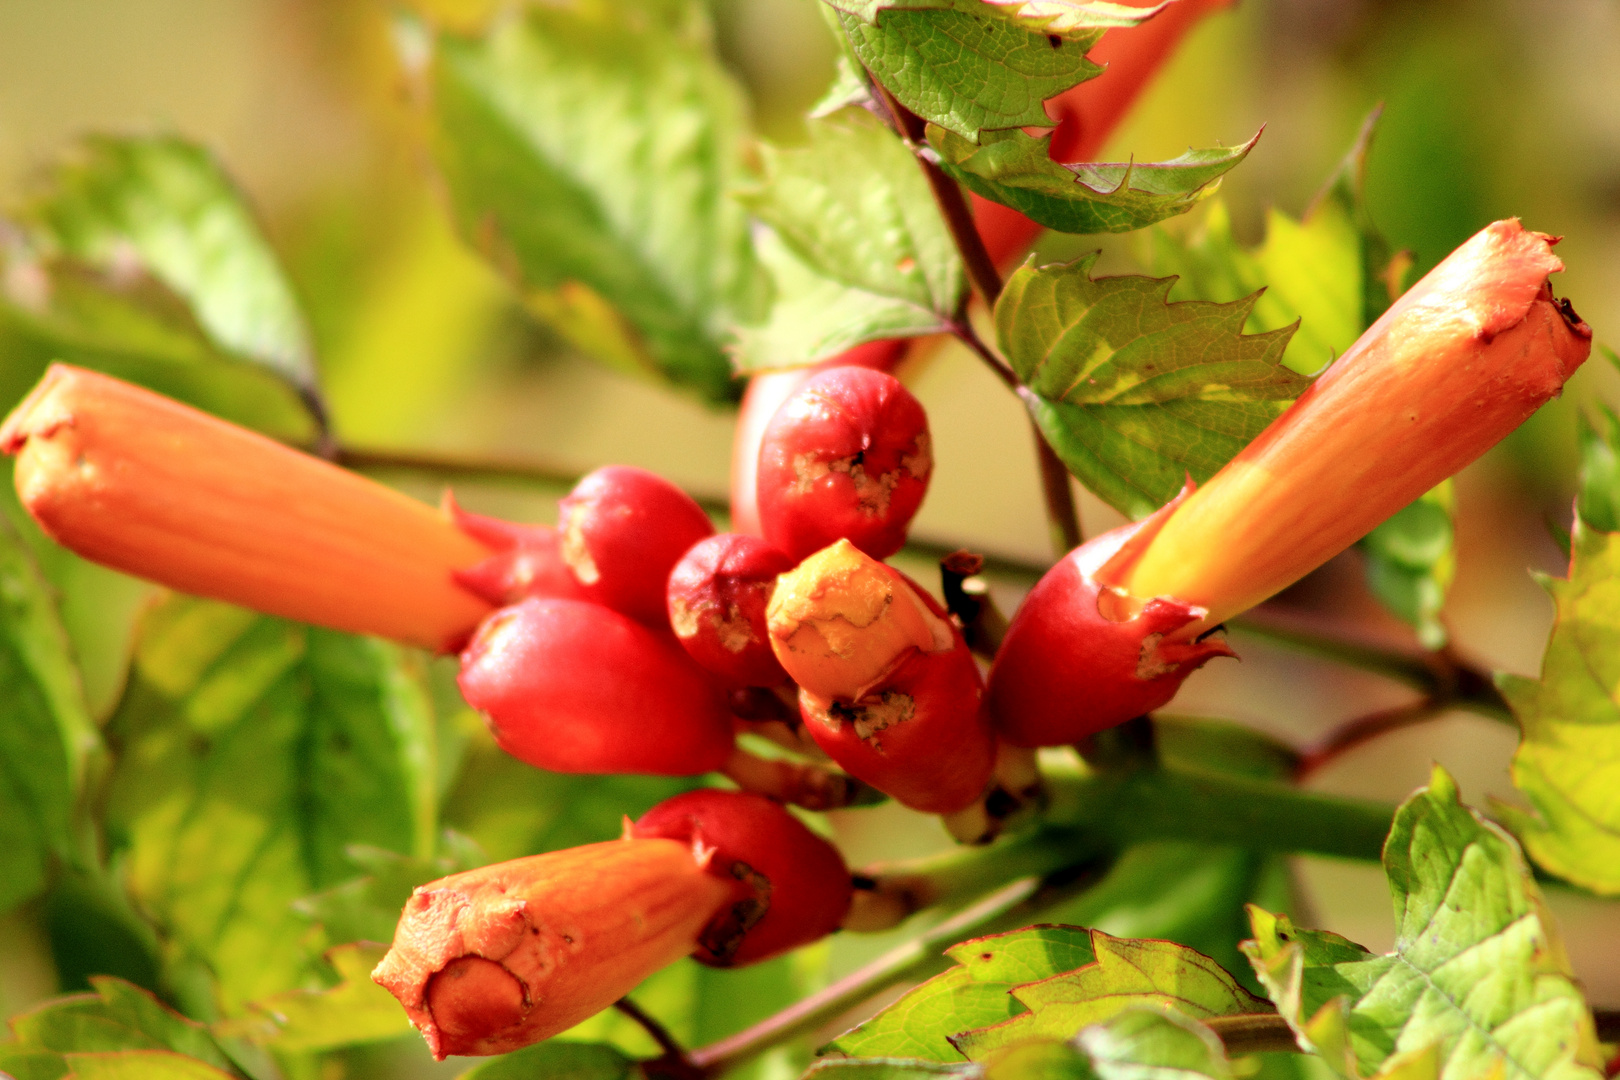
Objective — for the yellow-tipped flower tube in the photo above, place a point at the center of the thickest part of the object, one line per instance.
(1454, 365)
(132, 480)
(1458, 362)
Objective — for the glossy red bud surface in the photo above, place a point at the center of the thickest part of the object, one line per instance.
(921, 735)
(717, 597)
(527, 560)
(575, 687)
(800, 887)
(847, 456)
(623, 530)
(1077, 660)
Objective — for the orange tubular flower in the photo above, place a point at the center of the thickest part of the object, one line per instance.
(1458, 362)
(132, 480)
(494, 959)
(1455, 365)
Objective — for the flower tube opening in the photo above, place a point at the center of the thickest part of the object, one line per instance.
(1457, 363)
(491, 960)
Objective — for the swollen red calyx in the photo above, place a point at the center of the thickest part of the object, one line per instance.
(575, 687)
(717, 597)
(795, 886)
(622, 530)
(1080, 656)
(847, 456)
(888, 687)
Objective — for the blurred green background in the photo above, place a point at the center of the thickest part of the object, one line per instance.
(1493, 108)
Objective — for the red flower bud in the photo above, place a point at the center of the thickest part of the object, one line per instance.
(527, 561)
(797, 888)
(494, 959)
(1066, 669)
(575, 687)
(840, 621)
(763, 397)
(847, 456)
(1454, 365)
(623, 530)
(890, 690)
(717, 597)
(132, 480)
(920, 735)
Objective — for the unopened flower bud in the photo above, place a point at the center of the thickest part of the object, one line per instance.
(491, 960)
(795, 886)
(575, 687)
(717, 597)
(1459, 361)
(847, 456)
(1450, 369)
(840, 620)
(623, 530)
(132, 480)
(920, 734)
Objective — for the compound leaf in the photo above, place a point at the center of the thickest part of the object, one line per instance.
(1126, 972)
(1570, 722)
(966, 66)
(1014, 169)
(1478, 972)
(588, 149)
(255, 752)
(1135, 392)
(46, 735)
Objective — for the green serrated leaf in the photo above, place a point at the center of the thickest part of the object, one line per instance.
(559, 1060)
(1411, 561)
(354, 1011)
(814, 317)
(117, 1017)
(1478, 971)
(1134, 392)
(972, 995)
(1126, 972)
(1014, 169)
(165, 206)
(1062, 17)
(1071, 17)
(588, 150)
(965, 65)
(255, 753)
(1570, 724)
(47, 734)
(855, 208)
(1147, 1043)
